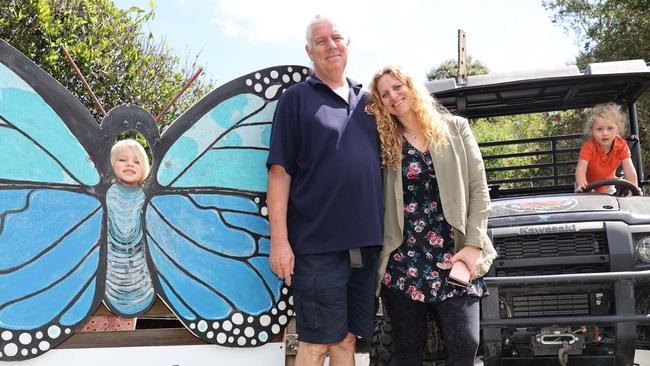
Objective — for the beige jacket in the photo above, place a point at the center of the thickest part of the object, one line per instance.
(463, 193)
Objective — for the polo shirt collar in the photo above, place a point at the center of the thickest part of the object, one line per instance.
(313, 80)
(617, 144)
(355, 89)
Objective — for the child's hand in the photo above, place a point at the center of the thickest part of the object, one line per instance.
(580, 187)
(629, 192)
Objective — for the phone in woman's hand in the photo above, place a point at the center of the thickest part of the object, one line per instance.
(459, 274)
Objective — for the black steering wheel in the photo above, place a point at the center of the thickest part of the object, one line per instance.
(622, 186)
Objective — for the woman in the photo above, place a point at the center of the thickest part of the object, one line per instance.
(436, 209)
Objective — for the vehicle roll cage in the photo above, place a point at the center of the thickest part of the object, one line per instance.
(547, 90)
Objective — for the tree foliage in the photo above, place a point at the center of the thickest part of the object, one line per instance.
(610, 30)
(449, 68)
(121, 63)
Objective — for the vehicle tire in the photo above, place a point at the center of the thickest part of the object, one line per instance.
(381, 344)
(382, 347)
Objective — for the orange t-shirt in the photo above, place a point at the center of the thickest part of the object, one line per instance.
(601, 165)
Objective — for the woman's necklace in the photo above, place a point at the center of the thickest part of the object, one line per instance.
(413, 135)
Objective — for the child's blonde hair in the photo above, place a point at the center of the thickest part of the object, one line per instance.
(137, 150)
(609, 112)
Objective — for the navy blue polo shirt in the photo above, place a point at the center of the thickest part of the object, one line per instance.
(331, 150)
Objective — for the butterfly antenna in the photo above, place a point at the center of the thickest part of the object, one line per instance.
(83, 80)
(178, 94)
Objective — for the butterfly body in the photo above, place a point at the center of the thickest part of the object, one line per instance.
(195, 234)
(129, 289)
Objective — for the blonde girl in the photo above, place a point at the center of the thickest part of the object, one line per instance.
(129, 162)
(601, 155)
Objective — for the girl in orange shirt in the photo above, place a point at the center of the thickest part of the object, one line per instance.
(605, 150)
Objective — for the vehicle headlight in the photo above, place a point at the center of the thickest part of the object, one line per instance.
(643, 249)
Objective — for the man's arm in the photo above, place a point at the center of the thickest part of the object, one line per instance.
(281, 257)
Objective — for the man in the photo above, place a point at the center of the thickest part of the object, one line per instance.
(325, 202)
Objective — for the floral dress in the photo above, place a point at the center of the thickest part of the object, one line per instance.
(420, 266)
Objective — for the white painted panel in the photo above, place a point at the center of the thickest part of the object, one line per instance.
(271, 354)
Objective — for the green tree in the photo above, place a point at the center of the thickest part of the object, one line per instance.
(610, 30)
(449, 68)
(121, 63)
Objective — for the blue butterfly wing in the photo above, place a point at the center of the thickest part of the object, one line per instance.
(207, 231)
(214, 273)
(50, 221)
(224, 138)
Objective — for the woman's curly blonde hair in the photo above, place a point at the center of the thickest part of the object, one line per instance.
(429, 114)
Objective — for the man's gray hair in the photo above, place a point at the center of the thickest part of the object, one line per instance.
(319, 18)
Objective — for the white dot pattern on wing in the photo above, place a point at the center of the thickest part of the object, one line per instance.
(275, 81)
(30, 342)
(242, 330)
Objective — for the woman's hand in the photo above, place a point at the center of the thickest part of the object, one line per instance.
(470, 255)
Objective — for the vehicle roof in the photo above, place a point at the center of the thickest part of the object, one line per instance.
(543, 90)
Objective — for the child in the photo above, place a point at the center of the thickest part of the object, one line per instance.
(128, 283)
(605, 150)
(129, 162)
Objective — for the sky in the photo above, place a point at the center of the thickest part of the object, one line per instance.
(236, 37)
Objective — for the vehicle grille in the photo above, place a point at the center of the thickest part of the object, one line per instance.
(549, 305)
(551, 245)
(552, 270)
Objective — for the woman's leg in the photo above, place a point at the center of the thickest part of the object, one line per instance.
(408, 320)
(459, 322)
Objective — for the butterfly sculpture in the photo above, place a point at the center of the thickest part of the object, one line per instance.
(203, 221)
